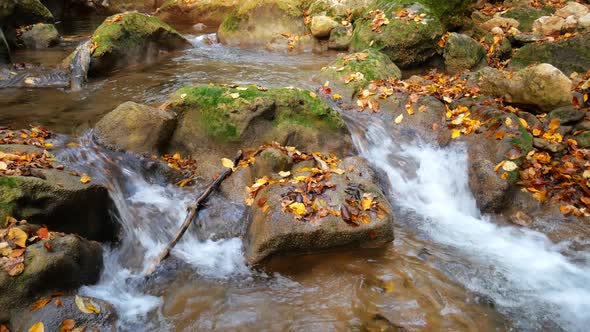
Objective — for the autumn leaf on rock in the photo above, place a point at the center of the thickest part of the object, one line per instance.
(67, 325)
(85, 179)
(41, 303)
(17, 236)
(86, 305)
(298, 208)
(43, 233)
(37, 327)
(227, 163)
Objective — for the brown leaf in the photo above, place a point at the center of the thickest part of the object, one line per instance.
(43, 233)
(41, 303)
(48, 246)
(67, 325)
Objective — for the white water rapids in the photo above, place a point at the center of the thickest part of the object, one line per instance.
(521, 270)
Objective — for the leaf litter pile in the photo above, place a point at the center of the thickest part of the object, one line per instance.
(562, 177)
(306, 186)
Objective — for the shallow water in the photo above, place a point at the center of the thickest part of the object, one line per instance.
(449, 268)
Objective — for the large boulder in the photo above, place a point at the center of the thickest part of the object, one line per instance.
(134, 127)
(462, 52)
(339, 9)
(59, 263)
(57, 199)
(406, 42)
(276, 25)
(322, 25)
(23, 12)
(131, 38)
(542, 86)
(210, 12)
(525, 16)
(349, 209)
(340, 38)
(215, 122)
(40, 35)
(351, 72)
(570, 55)
(53, 316)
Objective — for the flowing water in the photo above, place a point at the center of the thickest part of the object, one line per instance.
(450, 268)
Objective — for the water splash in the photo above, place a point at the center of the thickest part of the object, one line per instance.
(524, 273)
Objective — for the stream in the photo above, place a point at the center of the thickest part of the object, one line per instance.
(450, 268)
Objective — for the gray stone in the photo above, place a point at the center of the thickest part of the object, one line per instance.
(462, 52)
(567, 115)
(40, 35)
(136, 128)
(322, 25)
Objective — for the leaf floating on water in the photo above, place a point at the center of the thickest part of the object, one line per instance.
(85, 179)
(456, 133)
(399, 119)
(37, 327)
(18, 237)
(86, 305)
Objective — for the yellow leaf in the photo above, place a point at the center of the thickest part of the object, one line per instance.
(499, 165)
(509, 166)
(85, 179)
(388, 286)
(298, 208)
(86, 305)
(234, 95)
(300, 178)
(586, 174)
(18, 237)
(399, 119)
(367, 201)
(523, 122)
(37, 327)
(536, 132)
(240, 88)
(554, 124)
(456, 133)
(227, 163)
(508, 122)
(337, 171)
(312, 95)
(336, 96)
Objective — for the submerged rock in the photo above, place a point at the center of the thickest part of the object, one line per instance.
(462, 52)
(70, 263)
(570, 55)
(131, 38)
(53, 316)
(57, 199)
(364, 67)
(33, 77)
(543, 86)
(134, 127)
(40, 36)
(274, 230)
(275, 25)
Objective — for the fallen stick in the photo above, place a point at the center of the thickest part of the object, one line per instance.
(193, 210)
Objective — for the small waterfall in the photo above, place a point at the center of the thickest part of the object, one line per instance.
(524, 273)
(79, 66)
(150, 213)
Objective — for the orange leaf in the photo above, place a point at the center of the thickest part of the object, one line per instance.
(41, 303)
(43, 233)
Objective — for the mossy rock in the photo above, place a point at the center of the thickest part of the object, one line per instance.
(23, 12)
(570, 55)
(132, 38)
(72, 262)
(58, 200)
(376, 66)
(339, 9)
(211, 12)
(462, 52)
(525, 16)
(264, 24)
(406, 43)
(215, 122)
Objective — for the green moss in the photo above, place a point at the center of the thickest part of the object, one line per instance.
(525, 16)
(290, 7)
(225, 118)
(9, 192)
(231, 23)
(570, 55)
(132, 30)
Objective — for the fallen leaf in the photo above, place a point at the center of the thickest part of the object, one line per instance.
(86, 305)
(336, 96)
(509, 166)
(18, 237)
(227, 163)
(41, 303)
(284, 174)
(399, 119)
(67, 325)
(456, 133)
(298, 208)
(43, 233)
(37, 327)
(235, 95)
(85, 179)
